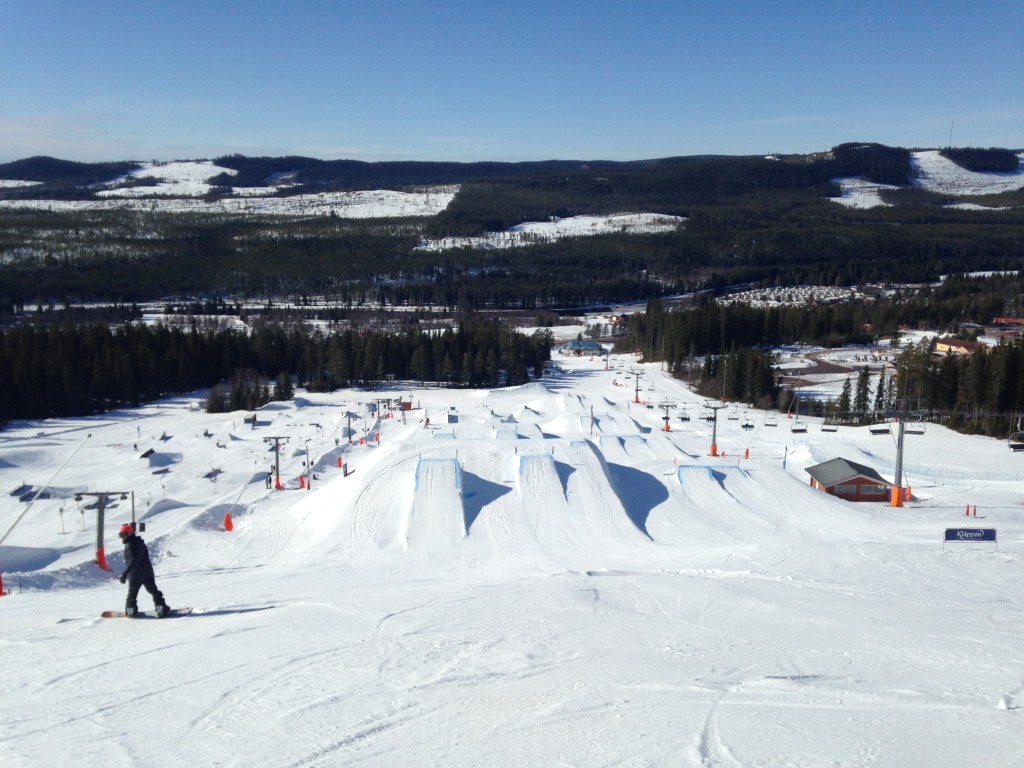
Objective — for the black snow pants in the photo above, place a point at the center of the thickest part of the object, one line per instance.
(135, 583)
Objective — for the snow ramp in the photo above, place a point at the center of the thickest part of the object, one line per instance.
(716, 511)
(636, 448)
(594, 502)
(625, 449)
(544, 506)
(437, 523)
(570, 507)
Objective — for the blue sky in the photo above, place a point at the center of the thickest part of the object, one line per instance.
(523, 80)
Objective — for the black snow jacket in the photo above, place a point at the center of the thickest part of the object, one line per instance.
(136, 559)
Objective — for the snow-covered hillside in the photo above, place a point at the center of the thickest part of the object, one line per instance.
(934, 173)
(183, 178)
(539, 575)
(179, 187)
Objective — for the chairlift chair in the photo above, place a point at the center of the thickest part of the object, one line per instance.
(1016, 441)
(880, 428)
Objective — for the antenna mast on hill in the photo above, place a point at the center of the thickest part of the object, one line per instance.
(950, 145)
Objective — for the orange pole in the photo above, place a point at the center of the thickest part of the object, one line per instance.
(228, 525)
(101, 559)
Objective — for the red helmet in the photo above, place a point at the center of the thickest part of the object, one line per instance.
(126, 530)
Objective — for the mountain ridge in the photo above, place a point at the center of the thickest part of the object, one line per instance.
(875, 162)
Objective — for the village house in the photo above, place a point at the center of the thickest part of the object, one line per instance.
(949, 345)
(580, 347)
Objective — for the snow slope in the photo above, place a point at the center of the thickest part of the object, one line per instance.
(182, 178)
(934, 173)
(546, 578)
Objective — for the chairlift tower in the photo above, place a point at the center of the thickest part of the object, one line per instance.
(715, 406)
(101, 506)
(276, 440)
(896, 499)
(637, 373)
(666, 406)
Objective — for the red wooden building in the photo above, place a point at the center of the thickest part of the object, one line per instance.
(849, 480)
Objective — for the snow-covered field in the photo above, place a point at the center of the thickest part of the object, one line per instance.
(860, 193)
(348, 205)
(181, 178)
(532, 232)
(542, 576)
(934, 173)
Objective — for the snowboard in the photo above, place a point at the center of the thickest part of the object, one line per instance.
(143, 615)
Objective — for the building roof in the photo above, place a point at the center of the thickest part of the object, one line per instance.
(587, 345)
(835, 471)
(950, 342)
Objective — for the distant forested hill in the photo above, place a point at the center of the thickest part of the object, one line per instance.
(54, 172)
(356, 174)
(748, 219)
(983, 160)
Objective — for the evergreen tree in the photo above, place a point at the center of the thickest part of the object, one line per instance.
(844, 399)
(283, 389)
(862, 398)
(881, 394)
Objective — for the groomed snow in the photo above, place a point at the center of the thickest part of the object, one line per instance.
(541, 576)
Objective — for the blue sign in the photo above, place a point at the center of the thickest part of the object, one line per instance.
(970, 534)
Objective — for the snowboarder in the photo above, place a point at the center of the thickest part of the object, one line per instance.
(138, 572)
